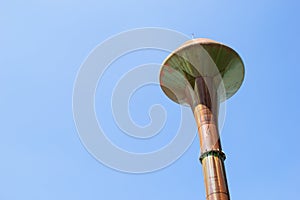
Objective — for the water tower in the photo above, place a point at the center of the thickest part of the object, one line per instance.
(203, 73)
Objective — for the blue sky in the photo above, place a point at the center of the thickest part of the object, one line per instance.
(43, 44)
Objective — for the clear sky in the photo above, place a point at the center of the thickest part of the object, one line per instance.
(42, 46)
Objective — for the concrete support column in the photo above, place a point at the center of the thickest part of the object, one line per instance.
(212, 157)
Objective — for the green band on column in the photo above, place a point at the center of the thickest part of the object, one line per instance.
(215, 153)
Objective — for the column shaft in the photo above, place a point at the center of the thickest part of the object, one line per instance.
(212, 157)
